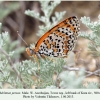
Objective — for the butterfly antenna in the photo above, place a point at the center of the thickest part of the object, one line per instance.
(22, 38)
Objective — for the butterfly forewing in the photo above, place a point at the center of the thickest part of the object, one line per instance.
(60, 39)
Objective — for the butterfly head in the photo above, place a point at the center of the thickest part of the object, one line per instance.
(30, 51)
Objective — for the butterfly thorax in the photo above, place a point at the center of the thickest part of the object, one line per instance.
(32, 52)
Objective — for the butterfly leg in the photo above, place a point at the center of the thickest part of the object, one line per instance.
(43, 56)
(37, 60)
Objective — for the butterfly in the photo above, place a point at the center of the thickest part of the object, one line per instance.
(58, 41)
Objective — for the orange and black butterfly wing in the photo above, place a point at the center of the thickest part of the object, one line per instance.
(60, 39)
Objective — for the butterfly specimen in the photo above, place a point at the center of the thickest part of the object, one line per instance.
(58, 41)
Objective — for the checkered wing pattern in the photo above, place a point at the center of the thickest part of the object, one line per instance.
(59, 40)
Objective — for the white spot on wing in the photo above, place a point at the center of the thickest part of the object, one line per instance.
(50, 51)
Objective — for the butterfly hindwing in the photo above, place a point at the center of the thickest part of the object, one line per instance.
(60, 39)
